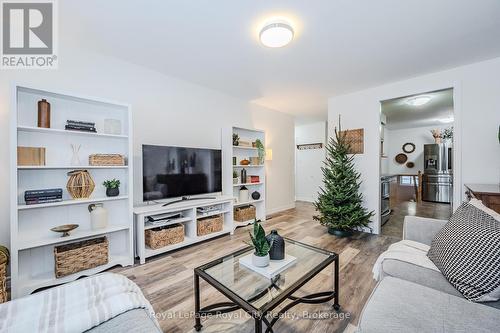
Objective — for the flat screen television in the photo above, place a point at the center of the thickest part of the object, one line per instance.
(173, 172)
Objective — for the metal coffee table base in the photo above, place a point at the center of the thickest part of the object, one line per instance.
(260, 317)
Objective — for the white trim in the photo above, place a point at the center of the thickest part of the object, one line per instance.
(306, 199)
(457, 136)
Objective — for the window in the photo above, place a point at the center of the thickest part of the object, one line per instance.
(408, 180)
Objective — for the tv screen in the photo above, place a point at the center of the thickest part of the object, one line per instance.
(171, 172)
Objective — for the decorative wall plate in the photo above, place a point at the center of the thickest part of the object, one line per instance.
(410, 165)
(401, 158)
(409, 147)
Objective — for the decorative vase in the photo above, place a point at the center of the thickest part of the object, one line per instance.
(112, 192)
(277, 251)
(75, 159)
(43, 114)
(243, 175)
(260, 261)
(339, 233)
(255, 195)
(243, 195)
(80, 184)
(98, 216)
(235, 180)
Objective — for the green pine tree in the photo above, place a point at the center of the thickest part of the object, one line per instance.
(339, 202)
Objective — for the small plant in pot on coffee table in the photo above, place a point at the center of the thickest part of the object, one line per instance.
(112, 187)
(261, 245)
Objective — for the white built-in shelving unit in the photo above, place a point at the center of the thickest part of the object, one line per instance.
(240, 152)
(32, 242)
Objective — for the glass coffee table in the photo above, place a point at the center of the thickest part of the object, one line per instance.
(259, 295)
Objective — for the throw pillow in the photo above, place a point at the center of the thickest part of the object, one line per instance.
(467, 252)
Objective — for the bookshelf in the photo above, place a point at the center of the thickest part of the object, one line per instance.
(242, 152)
(32, 242)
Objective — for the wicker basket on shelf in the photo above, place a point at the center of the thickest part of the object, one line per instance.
(163, 236)
(208, 225)
(4, 261)
(244, 213)
(106, 159)
(80, 184)
(79, 256)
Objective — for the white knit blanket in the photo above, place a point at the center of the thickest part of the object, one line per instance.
(74, 307)
(406, 251)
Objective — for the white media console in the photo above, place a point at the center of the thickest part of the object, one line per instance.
(189, 215)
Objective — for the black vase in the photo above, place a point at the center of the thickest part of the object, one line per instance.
(277, 251)
(255, 195)
(112, 192)
(243, 176)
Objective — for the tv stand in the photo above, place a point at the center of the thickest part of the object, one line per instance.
(189, 216)
(188, 199)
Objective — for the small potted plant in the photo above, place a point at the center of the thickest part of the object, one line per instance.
(261, 151)
(112, 187)
(236, 139)
(260, 256)
(235, 177)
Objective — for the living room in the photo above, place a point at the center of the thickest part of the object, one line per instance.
(143, 142)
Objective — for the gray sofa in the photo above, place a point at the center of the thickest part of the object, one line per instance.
(411, 298)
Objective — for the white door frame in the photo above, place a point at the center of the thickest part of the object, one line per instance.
(457, 135)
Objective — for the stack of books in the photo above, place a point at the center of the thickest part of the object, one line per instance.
(34, 197)
(75, 125)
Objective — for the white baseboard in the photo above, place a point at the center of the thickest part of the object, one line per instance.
(280, 209)
(306, 199)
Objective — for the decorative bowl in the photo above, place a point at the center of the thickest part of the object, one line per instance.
(65, 229)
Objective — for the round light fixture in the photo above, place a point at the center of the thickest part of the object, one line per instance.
(419, 100)
(276, 34)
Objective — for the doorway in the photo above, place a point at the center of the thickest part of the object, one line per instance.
(416, 160)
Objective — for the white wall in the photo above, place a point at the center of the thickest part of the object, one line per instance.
(477, 117)
(395, 140)
(308, 163)
(279, 128)
(165, 111)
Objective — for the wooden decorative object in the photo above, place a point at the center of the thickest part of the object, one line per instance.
(163, 236)
(244, 213)
(43, 114)
(244, 162)
(80, 184)
(401, 158)
(64, 229)
(410, 165)
(254, 161)
(245, 143)
(356, 139)
(30, 156)
(79, 256)
(106, 159)
(208, 225)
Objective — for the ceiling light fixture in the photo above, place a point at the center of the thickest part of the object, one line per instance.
(277, 33)
(419, 100)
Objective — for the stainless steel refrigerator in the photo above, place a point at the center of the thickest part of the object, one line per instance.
(437, 180)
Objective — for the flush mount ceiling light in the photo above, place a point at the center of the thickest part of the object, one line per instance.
(276, 33)
(419, 100)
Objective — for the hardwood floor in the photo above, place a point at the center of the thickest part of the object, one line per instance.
(167, 280)
(394, 227)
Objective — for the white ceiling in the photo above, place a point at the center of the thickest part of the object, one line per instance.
(438, 111)
(340, 45)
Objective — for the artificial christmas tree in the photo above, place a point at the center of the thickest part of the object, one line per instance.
(339, 202)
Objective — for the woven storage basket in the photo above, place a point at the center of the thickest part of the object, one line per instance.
(80, 184)
(3, 279)
(208, 225)
(106, 159)
(162, 236)
(79, 256)
(244, 213)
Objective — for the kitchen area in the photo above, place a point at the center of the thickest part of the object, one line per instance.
(416, 158)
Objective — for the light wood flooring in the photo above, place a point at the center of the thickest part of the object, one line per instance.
(167, 280)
